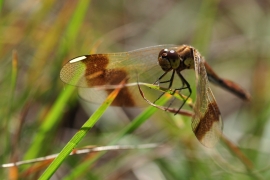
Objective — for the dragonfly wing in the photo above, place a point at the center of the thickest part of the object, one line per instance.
(92, 71)
(206, 123)
(106, 71)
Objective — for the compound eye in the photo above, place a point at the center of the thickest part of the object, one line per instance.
(163, 60)
(169, 59)
(163, 53)
(172, 56)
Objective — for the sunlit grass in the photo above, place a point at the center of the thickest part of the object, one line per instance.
(53, 117)
(38, 37)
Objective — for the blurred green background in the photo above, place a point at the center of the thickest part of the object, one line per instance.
(39, 114)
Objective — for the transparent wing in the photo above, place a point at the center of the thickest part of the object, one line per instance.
(206, 123)
(106, 71)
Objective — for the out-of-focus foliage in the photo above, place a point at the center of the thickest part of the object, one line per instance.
(39, 114)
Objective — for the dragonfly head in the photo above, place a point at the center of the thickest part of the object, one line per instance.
(169, 59)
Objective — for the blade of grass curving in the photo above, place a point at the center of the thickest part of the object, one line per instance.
(54, 115)
(1, 5)
(79, 135)
(169, 91)
(139, 120)
(50, 121)
(14, 77)
(73, 28)
(6, 119)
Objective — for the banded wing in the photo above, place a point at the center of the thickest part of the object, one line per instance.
(207, 123)
(106, 71)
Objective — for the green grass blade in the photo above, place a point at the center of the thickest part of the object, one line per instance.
(54, 115)
(74, 25)
(176, 94)
(1, 5)
(139, 120)
(50, 121)
(79, 136)
(7, 117)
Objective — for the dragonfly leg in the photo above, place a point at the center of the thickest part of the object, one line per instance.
(185, 86)
(170, 85)
(158, 81)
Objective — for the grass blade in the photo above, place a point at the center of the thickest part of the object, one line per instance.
(79, 136)
(139, 120)
(53, 116)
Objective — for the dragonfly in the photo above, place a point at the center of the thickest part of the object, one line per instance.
(98, 74)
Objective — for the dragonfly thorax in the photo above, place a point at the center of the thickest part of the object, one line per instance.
(169, 59)
(185, 53)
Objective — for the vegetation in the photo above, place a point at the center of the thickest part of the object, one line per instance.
(39, 114)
